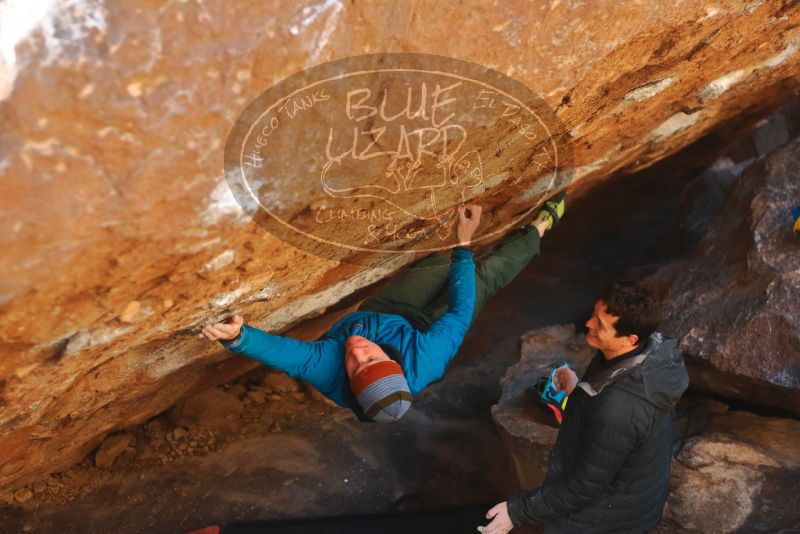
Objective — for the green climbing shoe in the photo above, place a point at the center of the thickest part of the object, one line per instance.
(553, 209)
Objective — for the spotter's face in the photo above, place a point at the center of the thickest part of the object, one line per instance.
(602, 335)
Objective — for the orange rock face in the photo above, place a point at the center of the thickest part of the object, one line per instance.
(121, 235)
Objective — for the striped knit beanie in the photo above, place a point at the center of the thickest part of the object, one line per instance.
(382, 391)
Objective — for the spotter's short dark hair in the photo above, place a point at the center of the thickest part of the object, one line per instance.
(636, 305)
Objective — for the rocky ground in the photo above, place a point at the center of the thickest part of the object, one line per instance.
(203, 424)
(263, 447)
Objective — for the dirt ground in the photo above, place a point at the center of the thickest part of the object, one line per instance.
(286, 454)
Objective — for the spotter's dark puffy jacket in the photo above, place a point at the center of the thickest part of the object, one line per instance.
(609, 469)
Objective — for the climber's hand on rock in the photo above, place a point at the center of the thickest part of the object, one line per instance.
(468, 219)
(224, 331)
(565, 379)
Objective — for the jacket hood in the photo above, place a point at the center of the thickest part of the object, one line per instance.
(661, 378)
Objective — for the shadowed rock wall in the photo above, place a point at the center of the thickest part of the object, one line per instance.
(734, 304)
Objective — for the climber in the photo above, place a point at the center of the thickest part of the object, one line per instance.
(373, 361)
(609, 468)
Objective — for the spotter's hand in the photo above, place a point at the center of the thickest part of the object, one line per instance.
(501, 521)
(565, 379)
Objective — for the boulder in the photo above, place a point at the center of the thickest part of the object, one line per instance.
(211, 407)
(281, 383)
(737, 475)
(23, 495)
(115, 117)
(112, 447)
(736, 303)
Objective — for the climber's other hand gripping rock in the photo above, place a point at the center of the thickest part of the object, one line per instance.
(226, 331)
